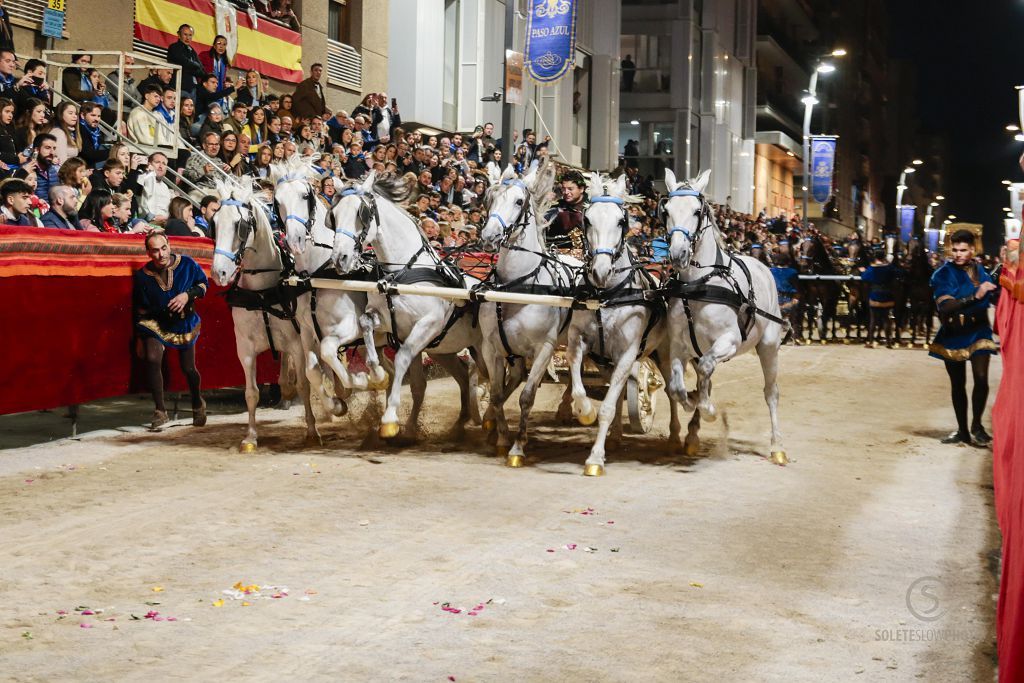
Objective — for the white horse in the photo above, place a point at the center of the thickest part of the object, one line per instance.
(366, 214)
(329, 318)
(629, 326)
(728, 304)
(245, 249)
(513, 332)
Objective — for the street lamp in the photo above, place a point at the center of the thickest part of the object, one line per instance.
(809, 101)
(902, 186)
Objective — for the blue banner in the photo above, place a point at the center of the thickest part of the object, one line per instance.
(823, 162)
(906, 222)
(931, 240)
(550, 39)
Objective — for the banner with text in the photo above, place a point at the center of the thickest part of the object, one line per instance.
(823, 164)
(907, 222)
(550, 39)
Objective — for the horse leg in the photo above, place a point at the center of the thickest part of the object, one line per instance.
(526, 399)
(724, 348)
(768, 354)
(418, 390)
(495, 361)
(287, 380)
(692, 444)
(576, 350)
(247, 357)
(665, 363)
(369, 322)
(564, 413)
(611, 408)
(303, 385)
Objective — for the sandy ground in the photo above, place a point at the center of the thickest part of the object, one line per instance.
(870, 557)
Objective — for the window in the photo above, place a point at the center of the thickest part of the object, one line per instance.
(339, 21)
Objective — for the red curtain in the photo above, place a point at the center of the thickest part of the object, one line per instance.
(1008, 478)
(66, 311)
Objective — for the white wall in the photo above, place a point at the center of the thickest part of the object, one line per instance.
(416, 58)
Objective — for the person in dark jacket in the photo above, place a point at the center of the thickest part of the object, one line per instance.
(184, 55)
(308, 100)
(76, 83)
(10, 160)
(34, 85)
(6, 33)
(94, 151)
(62, 214)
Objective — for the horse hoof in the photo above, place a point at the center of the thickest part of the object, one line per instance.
(514, 461)
(587, 419)
(821, 341)
(708, 413)
(488, 425)
(779, 458)
(389, 430)
(247, 447)
(691, 448)
(593, 470)
(379, 383)
(501, 451)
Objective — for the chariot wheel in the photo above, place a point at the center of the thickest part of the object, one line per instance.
(642, 395)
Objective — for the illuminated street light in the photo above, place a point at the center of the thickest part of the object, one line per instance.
(934, 204)
(952, 217)
(917, 162)
(1006, 182)
(1012, 127)
(939, 197)
(1019, 137)
(809, 100)
(839, 52)
(826, 68)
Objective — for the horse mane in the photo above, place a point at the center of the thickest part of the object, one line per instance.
(392, 188)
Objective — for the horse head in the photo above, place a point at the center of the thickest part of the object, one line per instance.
(234, 225)
(684, 209)
(606, 223)
(294, 200)
(510, 200)
(355, 224)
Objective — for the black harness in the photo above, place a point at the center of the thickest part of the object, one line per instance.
(561, 273)
(733, 295)
(636, 289)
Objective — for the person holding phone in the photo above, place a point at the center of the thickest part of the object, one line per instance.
(33, 84)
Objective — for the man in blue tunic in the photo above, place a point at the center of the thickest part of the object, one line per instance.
(164, 293)
(963, 293)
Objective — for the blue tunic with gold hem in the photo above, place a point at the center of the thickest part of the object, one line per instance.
(967, 331)
(152, 294)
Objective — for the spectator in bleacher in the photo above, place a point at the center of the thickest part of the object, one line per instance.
(167, 109)
(34, 84)
(109, 180)
(287, 133)
(155, 200)
(181, 222)
(44, 149)
(9, 158)
(65, 130)
(215, 61)
(214, 122)
(308, 100)
(187, 119)
(92, 148)
(209, 94)
(286, 107)
(257, 129)
(282, 11)
(15, 202)
(74, 173)
(142, 126)
(271, 102)
(355, 166)
(32, 122)
(8, 83)
(232, 155)
(6, 33)
(98, 93)
(98, 214)
(200, 169)
(181, 53)
(238, 119)
(123, 218)
(158, 77)
(76, 84)
(207, 207)
(63, 213)
(251, 92)
(130, 87)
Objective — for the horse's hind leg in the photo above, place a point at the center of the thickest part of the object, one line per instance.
(418, 390)
(302, 384)
(724, 348)
(526, 399)
(768, 354)
(460, 373)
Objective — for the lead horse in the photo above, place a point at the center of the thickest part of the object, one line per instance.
(721, 305)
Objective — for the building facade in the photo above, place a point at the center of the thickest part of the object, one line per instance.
(449, 75)
(689, 93)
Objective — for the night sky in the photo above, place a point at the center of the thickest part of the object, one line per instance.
(966, 55)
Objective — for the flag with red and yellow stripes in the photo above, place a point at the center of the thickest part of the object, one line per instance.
(272, 50)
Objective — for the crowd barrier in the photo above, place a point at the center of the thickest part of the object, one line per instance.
(65, 302)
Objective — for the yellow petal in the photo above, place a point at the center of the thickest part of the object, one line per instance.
(218, 603)
(696, 585)
(158, 589)
(245, 604)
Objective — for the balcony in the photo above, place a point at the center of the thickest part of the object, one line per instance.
(344, 66)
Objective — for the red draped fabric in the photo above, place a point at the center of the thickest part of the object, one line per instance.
(1008, 477)
(65, 303)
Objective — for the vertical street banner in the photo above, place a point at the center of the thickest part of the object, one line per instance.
(550, 39)
(931, 239)
(906, 222)
(823, 164)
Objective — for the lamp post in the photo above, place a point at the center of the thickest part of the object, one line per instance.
(809, 101)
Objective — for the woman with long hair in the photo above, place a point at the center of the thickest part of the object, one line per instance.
(391, 153)
(215, 60)
(74, 173)
(286, 107)
(34, 120)
(181, 220)
(164, 292)
(257, 129)
(65, 129)
(186, 118)
(214, 122)
(251, 93)
(9, 157)
(327, 193)
(278, 152)
(231, 155)
(264, 157)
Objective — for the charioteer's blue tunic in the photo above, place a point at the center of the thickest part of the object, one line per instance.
(967, 331)
(153, 318)
(785, 282)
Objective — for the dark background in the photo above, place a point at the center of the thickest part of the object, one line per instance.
(966, 55)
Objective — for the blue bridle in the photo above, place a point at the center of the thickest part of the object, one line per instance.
(605, 199)
(304, 222)
(236, 256)
(514, 182)
(358, 239)
(682, 192)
